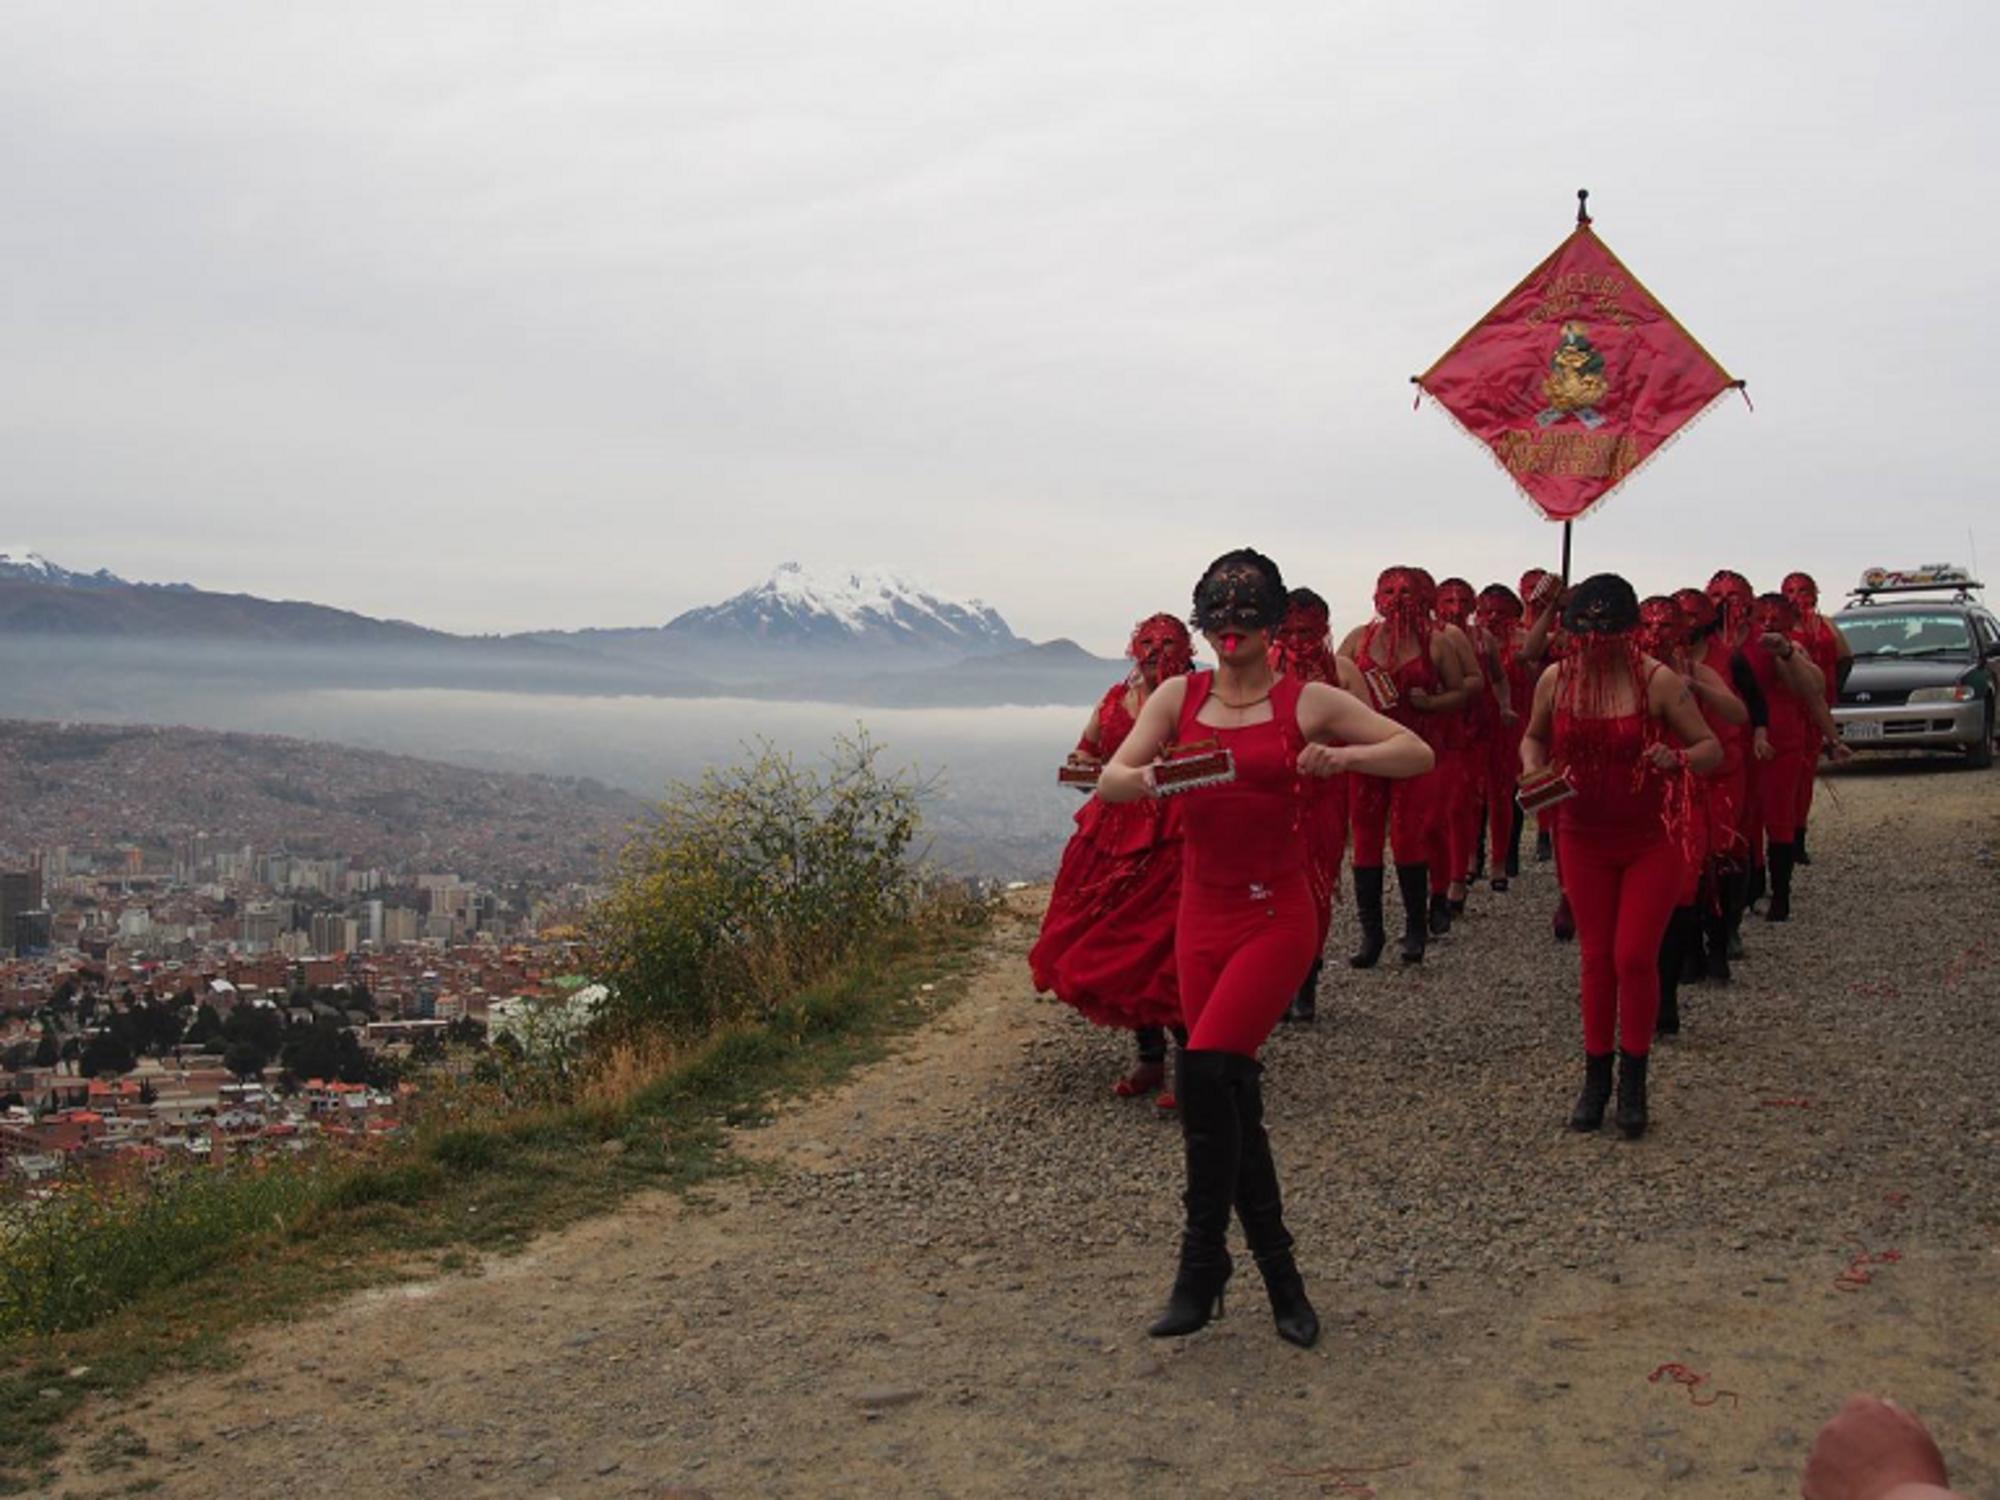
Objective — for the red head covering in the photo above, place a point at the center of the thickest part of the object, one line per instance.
(1774, 614)
(1455, 601)
(1731, 594)
(1161, 646)
(1299, 647)
(1803, 592)
(1499, 608)
(1663, 628)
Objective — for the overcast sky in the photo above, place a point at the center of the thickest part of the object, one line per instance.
(496, 316)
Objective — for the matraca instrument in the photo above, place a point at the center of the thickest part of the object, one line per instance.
(1544, 788)
(1078, 775)
(1199, 763)
(1382, 688)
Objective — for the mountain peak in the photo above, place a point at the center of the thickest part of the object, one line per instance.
(798, 605)
(26, 563)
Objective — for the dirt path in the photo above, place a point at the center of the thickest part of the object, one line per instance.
(939, 1281)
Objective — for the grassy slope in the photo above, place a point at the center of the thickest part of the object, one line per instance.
(436, 1205)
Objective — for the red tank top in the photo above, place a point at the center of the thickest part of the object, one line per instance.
(1790, 726)
(1618, 790)
(1249, 831)
(1818, 639)
(1734, 738)
(1417, 672)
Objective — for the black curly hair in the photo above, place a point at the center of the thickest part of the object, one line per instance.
(1603, 604)
(1243, 588)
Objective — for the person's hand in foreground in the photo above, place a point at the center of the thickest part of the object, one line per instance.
(1871, 1449)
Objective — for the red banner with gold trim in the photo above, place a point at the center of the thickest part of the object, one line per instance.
(1576, 378)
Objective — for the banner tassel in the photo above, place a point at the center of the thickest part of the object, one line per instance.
(1743, 388)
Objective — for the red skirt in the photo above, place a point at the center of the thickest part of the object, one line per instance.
(1107, 940)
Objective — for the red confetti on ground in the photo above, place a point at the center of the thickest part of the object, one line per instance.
(1896, 1200)
(1798, 1101)
(1340, 1477)
(1964, 961)
(1860, 1270)
(1693, 1380)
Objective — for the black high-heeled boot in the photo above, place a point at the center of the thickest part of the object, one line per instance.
(1414, 881)
(1631, 1117)
(1779, 908)
(1368, 909)
(1545, 848)
(1260, 1206)
(1588, 1113)
(1305, 1004)
(1514, 841)
(1673, 958)
(1440, 913)
(1213, 1141)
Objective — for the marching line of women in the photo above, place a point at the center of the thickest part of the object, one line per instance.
(1664, 749)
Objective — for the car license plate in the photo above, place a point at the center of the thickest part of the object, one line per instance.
(1861, 729)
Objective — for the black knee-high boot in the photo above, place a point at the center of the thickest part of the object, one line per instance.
(1305, 1004)
(1783, 856)
(1368, 909)
(1674, 943)
(1213, 1140)
(1631, 1116)
(1588, 1112)
(1735, 901)
(1261, 1208)
(1414, 881)
(1514, 841)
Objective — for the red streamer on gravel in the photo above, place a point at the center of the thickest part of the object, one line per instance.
(1340, 1478)
(1798, 1101)
(1692, 1380)
(1860, 1271)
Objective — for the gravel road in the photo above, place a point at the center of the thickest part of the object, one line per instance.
(937, 1282)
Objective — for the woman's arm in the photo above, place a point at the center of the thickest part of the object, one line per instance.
(1541, 719)
(1711, 691)
(1130, 774)
(1344, 734)
(1088, 741)
(1445, 657)
(1668, 696)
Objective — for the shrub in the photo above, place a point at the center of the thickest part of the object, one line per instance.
(754, 882)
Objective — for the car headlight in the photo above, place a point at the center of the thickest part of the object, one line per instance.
(1958, 693)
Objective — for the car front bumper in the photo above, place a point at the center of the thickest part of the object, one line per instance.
(1912, 726)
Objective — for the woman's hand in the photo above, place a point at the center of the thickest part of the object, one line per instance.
(1323, 760)
(1872, 1449)
(1778, 645)
(1085, 759)
(1760, 745)
(1420, 697)
(1666, 758)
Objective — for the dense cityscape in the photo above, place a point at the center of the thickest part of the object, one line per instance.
(170, 992)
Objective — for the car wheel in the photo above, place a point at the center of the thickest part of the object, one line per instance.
(1980, 756)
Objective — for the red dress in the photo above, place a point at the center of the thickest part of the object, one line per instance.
(1779, 781)
(1107, 939)
(1401, 811)
(1728, 786)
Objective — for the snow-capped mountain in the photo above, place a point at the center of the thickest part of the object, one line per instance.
(872, 607)
(25, 563)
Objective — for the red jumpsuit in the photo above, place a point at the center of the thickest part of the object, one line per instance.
(1622, 870)
(1107, 939)
(1503, 765)
(1728, 786)
(1248, 931)
(1819, 642)
(1779, 782)
(1326, 811)
(1403, 811)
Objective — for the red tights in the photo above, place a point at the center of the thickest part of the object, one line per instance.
(1399, 814)
(1242, 957)
(1622, 889)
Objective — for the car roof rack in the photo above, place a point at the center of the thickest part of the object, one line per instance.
(1961, 590)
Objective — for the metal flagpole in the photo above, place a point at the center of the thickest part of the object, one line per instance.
(1582, 218)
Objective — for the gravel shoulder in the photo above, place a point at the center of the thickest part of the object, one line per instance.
(937, 1279)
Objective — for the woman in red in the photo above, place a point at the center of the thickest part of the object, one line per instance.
(1605, 717)
(1787, 753)
(1541, 595)
(1664, 635)
(1412, 674)
(1247, 926)
(1107, 940)
(1471, 745)
(1728, 786)
(1830, 652)
(1499, 620)
(1300, 650)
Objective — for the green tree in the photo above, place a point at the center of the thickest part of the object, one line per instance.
(245, 1059)
(106, 1053)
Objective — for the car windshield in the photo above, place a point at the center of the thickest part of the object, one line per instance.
(1906, 632)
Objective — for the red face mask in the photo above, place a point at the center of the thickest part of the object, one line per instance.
(1771, 618)
(1399, 596)
(1162, 648)
(1696, 608)
(1454, 604)
(1802, 591)
(1662, 632)
(1498, 613)
(1303, 631)
(1731, 598)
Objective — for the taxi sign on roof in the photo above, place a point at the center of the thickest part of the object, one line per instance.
(1924, 576)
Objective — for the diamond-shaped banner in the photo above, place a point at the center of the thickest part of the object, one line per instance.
(1576, 378)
